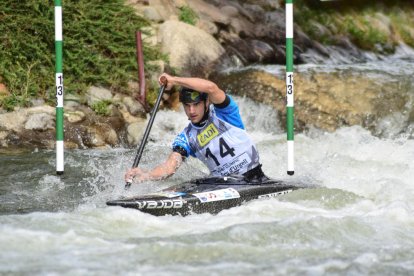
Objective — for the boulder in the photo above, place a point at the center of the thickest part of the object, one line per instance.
(97, 94)
(13, 121)
(324, 100)
(152, 14)
(74, 116)
(135, 132)
(133, 106)
(100, 135)
(189, 48)
(40, 121)
(209, 12)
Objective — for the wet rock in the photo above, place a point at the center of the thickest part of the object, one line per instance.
(100, 135)
(324, 100)
(135, 132)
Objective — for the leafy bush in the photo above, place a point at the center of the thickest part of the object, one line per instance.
(102, 107)
(98, 47)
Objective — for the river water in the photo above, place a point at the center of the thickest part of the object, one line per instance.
(357, 217)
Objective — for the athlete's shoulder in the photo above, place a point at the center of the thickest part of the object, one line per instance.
(181, 144)
(229, 113)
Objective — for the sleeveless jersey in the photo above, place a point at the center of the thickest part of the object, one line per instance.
(221, 143)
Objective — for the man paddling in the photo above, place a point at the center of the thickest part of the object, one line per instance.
(215, 135)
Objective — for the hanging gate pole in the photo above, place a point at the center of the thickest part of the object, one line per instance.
(289, 86)
(59, 88)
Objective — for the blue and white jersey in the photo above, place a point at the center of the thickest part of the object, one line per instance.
(222, 143)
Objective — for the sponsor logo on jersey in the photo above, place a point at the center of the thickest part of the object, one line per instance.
(160, 204)
(207, 135)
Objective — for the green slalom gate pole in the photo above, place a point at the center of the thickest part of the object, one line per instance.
(289, 86)
(59, 88)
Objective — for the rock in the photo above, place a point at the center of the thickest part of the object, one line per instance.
(74, 116)
(165, 8)
(180, 3)
(160, 68)
(324, 100)
(242, 28)
(133, 106)
(37, 102)
(135, 132)
(263, 51)
(149, 35)
(189, 48)
(97, 94)
(127, 117)
(230, 11)
(207, 26)
(3, 136)
(100, 135)
(110, 136)
(208, 12)
(72, 101)
(40, 121)
(93, 138)
(152, 14)
(13, 121)
(42, 109)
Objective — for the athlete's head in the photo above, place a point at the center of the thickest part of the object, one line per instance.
(195, 104)
(188, 95)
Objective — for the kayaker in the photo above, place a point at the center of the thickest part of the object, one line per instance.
(215, 135)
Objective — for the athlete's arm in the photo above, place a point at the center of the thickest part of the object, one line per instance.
(162, 171)
(216, 95)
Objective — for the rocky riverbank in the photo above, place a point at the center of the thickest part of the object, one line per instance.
(224, 34)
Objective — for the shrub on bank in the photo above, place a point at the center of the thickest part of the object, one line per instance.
(98, 48)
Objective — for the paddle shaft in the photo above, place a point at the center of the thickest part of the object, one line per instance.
(148, 129)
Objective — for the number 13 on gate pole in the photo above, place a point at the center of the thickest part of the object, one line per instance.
(59, 88)
(289, 86)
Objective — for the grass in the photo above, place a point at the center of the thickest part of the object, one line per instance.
(102, 107)
(98, 48)
(187, 15)
(353, 19)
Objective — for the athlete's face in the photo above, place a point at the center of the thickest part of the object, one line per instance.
(195, 111)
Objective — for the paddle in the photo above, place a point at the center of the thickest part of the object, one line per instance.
(148, 129)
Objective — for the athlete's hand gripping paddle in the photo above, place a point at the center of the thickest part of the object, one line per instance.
(148, 129)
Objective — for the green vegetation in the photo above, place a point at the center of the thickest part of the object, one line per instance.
(187, 15)
(102, 107)
(99, 48)
(363, 22)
